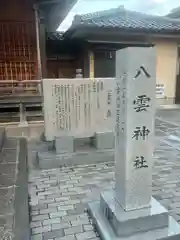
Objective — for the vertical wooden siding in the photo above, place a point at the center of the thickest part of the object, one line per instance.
(18, 57)
(61, 68)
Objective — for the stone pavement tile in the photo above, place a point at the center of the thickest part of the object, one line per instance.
(39, 206)
(79, 222)
(85, 235)
(43, 229)
(48, 210)
(36, 224)
(73, 230)
(69, 237)
(61, 225)
(37, 237)
(51, 221)
(58, 214)
(88, 227)
(53, 234)
(40, 217)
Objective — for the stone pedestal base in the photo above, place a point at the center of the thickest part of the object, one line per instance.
(64, 144)
(23, 124)
(104, 140)
(113, 223)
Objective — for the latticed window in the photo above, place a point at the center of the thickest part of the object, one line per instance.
(17, 51)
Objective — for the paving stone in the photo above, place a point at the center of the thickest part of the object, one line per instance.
(53, 205)
(76, 211)
(58, 214)
(51, 221)
(67, 186)
(65, 207)
(36, 224)
(49, 200)
(72, 202)
(45, 193)
(48, 210)
(69, 237)
(85, 235)
(69, 193)
(37, 237)
(78, 196)
(40, 217)
(73, 230)
(88, 227)
(53, 234)
(96, 238)
(39, 206)
(41, 229)
(70, 217)
(60, 225)
(79, 222)
(62, 199)
(43, 186)
(74, 182)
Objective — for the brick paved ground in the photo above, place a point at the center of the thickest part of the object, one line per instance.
(59, 196)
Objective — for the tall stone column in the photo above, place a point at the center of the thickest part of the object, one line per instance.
(130, 212)
(135, 113)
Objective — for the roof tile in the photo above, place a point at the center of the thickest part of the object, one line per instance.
(125, 19)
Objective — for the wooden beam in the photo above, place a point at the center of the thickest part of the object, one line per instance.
(42, 42)
(48, 2)
(91, 65)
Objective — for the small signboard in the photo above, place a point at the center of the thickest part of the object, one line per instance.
(160, 90)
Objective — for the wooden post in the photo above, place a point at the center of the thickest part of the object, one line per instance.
(42, 42)
(91, 65)
(38, 47)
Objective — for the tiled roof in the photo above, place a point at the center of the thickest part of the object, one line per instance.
(54, 36)
(175, 13)
(125, 19)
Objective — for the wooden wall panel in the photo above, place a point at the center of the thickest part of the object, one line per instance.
(61, 68)
(17, 10)
(18, 55)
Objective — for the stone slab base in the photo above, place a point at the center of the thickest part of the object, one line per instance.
(114, 223)
(172, 232)
(64, 144)
(130, 222)
(104, 140)
(49, 160)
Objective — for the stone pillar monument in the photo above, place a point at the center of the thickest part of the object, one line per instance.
(130, 212)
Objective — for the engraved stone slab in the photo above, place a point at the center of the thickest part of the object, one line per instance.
(81, 106)
(135, 110)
